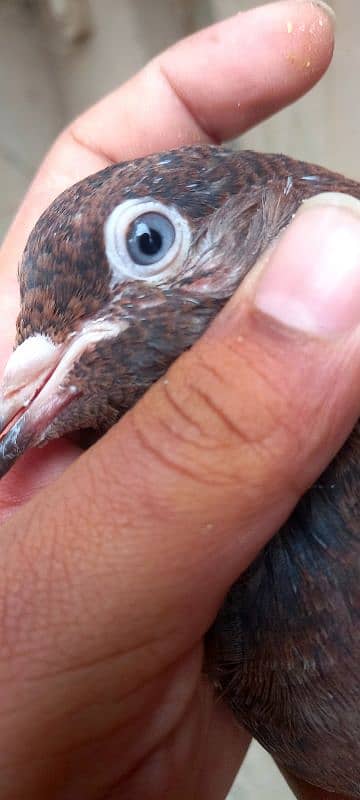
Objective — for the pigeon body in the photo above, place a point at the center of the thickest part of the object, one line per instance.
(120, 275)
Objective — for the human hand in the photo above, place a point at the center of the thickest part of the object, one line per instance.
(113, 573)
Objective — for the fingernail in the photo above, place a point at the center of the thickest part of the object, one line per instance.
(325, 7)
(312, 279)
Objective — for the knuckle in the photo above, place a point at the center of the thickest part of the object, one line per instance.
(217, 410)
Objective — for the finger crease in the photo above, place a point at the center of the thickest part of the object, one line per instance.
(90, 147)
(171, 463)
(187, 107)
(180, 408)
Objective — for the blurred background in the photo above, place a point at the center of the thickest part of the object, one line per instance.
(59, 56)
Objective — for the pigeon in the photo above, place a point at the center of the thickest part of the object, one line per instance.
(121, 274)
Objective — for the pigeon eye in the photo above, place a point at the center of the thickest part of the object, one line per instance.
(146, 240)
(149, 238)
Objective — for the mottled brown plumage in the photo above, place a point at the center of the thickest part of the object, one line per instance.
(284, 651)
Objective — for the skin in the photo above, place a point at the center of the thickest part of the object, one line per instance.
(108, 586)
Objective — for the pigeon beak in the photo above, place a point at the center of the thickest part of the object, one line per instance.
(36, 387)
(26, 372)
(31, 396)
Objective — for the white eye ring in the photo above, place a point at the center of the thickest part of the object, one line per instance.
(116, 231)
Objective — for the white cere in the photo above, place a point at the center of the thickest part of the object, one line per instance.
(29, 360)
(145, 240)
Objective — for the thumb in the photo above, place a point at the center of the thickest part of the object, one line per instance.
(188, 487)
(127, 556)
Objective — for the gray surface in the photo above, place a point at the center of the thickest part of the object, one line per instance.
(259, 779)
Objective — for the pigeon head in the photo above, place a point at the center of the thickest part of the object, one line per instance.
(120, 275)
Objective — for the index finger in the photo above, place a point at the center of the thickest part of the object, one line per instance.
(210, 86)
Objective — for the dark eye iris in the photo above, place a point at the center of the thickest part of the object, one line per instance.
(149, 238)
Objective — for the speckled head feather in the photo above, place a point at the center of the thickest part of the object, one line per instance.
(121, 274)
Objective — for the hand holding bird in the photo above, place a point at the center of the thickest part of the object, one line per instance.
(179, 464)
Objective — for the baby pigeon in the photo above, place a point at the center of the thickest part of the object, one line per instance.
(122, 273)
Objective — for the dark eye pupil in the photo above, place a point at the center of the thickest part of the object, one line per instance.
(149, 238)
(150, 241)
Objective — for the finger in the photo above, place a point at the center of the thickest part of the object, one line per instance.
(215, 84)
(122, 563)
(33, 472)
(214, 746)
(211, 86)
(226, 747)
